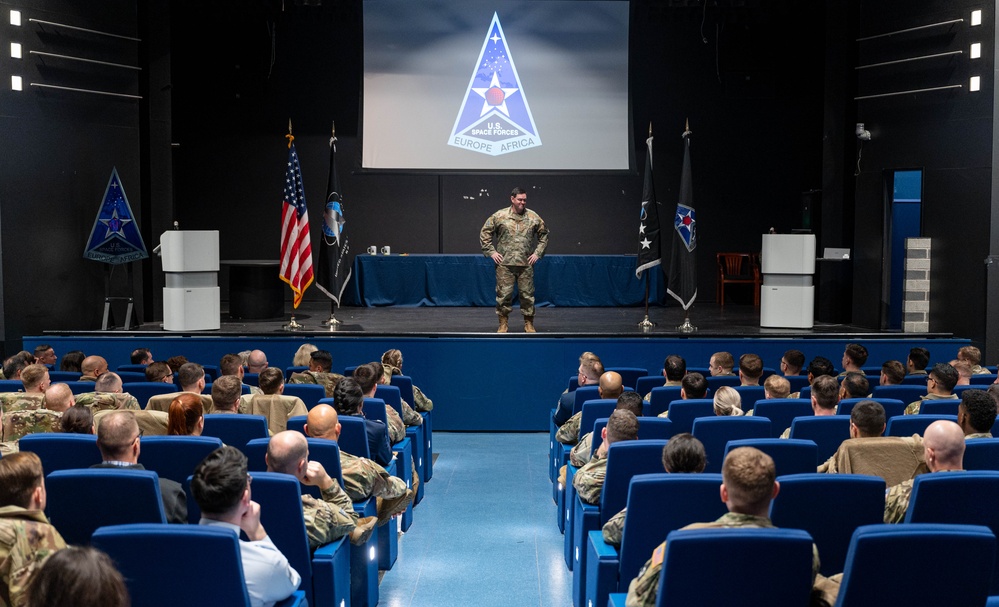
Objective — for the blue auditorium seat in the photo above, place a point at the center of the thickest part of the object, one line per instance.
(781, 412)
(907, 425)
(790, 455)
(892, 406)
(80, 501)
(715, 432)
(62, 451)
(827, 432)
(661, 397)
(310, 394)
(176, 457)
(683, 413)
(749, 395)
(235, 430)
(981, 454)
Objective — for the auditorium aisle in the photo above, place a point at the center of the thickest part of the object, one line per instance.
(485, 533)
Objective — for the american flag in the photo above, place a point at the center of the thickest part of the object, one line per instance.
(296, 244)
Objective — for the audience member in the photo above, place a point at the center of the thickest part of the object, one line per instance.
(589, 480)
(191, 378)
(728, 401)
(972, 356)
(59, 397)
(326, 520)
(748, 486)
(884, 455)
(221, 487)
(362, 478)
(976, 414)
(27, 538)
(176, 362)
(93, 367)
(108, 395)
(45, 355)
(721, 363)
(159, 372)
(964, 373)
(12, 367)
(918, 359)
(232, 364)
(319, 372)
(273, 403)
(674, 368)
(940, 382)
(303, 355)
(72, 361)
(227, 392)
(187, 416)
(588, 374)
(611, 386)
(943, 444)
(854, 385)
(256, 361)
(892, 373)
(392, 363)
(580, 454)
(854, 358)
(792, 362)
(825, 398)
(349, 400)
(77, 420)
(367, 377)
(119, 440)
(78, 576)
(683, 454)
(141, 356)
(19, 420)
(750, 369)
(35, 379)
(409, 415)
(776, 386)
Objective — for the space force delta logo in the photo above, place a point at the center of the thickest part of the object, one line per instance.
(495, 117)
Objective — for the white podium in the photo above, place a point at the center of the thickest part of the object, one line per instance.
(787, 298)
(191, 266)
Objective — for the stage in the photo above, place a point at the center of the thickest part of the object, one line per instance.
(484, 381)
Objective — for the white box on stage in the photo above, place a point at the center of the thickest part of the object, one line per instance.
(190, 266)
(787, 297)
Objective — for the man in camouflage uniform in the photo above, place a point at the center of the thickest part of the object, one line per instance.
(610, 386)
(93, 367)
(273, 404)
(232, 364)
(940, 382)
(589, 480)
(107, 395)
(367, 377)
(972, 356)
(976, 414)
(392, 365)
(36, 380)
(320, 365)
(674, 368)
(409, 415)
(944, 444)
(227, 393)
(515, 238)
(580, 454)
(683, 454)
(334, 516)
(362, 478)
(191, 377)
(45, 355)
(27, 538)
(748, 486)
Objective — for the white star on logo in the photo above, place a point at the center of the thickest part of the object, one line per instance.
(495, 38)
(121, 223)
(494, 83)
(645, 243)
(641, 228)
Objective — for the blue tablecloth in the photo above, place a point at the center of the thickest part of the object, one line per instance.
(470, 280)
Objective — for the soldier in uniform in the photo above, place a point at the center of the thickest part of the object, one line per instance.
(976, 413)
(392, 365)
(45, 355)
(191, 377)
(227, 394)
(320, 365)
(515, 238)
(683, 454)
(27, 538)
(159, 372)
(232, 364)
(674, 368)
(107, 395)
(409, 415)
(580, 454)
(362, 478)
(93, 367)
(367, 377)
(273, 404)
(748, 485)
(334, 516)
(943, 444)
(611, 386)
(36, 381)
(589, 480)
(940, 382)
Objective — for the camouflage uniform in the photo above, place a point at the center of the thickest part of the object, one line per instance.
(515, 240)
(20, 423)
(396, 427)
(161, 402)
(89, 378)
(978, 435)
(580, 454)
(21, 401)
(26, 541)
(669, 384)
(613, 529)
(409, 416)
(589, 480)
(423, 404)
(329, 519)
(107, 401)
(277, 408)
(568, 433)
(897, 500)
(363, 478)
(913, 407)
(328, 380)
(644, 589)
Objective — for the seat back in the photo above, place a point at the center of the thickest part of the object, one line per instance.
(79, 387)
(582, 395)
(775, 563)
(143, 391)
(734, 265)
(904, 393)
(907, 425)
(256, 451)
(235, 430)
(131, 376)
(915, 380)
(829, 507)
(661, 397)
(297, 423)
(875, 575)
(80, 501)
(781, 412)
(62, 451)
(405, 385)
(750, 395)
(140, 551)
(280, 499)
(827, 432)
(629, 375)
(981, 454)
(791, 456)
(797, 382)
(965, 498)
(649, 428)
(327, 453)
(646, 384)
(625, 459)
(717, 381)
(683, 413)
(135, 368)
(374, 409)
(939, 407)
(573, 383)
(251, 379)
(660, 503)
(892, 406)
(289, 371)
(310, 394)
(176, 457)
(354, 436)
(715, 432)
(392, 397)
(594, 410)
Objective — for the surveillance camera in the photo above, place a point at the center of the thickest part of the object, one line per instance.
(862, 134)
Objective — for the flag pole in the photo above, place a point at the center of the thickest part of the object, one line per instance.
(293, 325)
(332, 323)
(686, 326)
(646, 324)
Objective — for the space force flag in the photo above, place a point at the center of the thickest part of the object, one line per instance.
(682, 284)
(649, 252)
(115, 237)
(334, 252)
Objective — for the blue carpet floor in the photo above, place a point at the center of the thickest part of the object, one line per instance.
(485, 531)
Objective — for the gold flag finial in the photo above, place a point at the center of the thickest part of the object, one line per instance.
(686, 129)
(289, 136)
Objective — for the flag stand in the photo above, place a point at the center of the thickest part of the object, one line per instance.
(686, 327)
(293, 325)
(646, 324)
(332, 322)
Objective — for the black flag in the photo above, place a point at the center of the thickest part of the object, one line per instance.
(334, 263)
(649, 252)
(683, 264)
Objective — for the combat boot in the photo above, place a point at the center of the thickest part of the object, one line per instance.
(362, 532)
(529, 324)
(389, 507)
(504, 325)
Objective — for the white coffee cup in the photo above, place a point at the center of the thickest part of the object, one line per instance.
(372, 250)
(386, 250)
